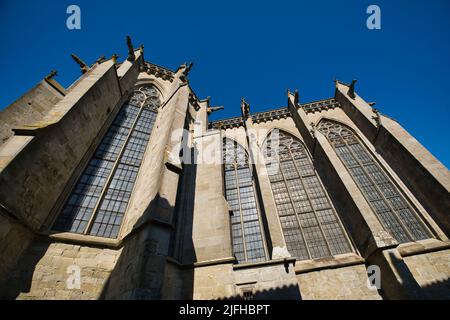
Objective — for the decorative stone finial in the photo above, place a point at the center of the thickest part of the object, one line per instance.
(131, 57)
(245, 107)
(376, 117)
(351, 90)
(296, 97)
(193, 101)
(114, 57)
(313, 130)
(188, 68)
(84, 67)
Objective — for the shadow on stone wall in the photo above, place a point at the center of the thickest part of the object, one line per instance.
(158, 255)
(410, 287)
(142, 270)
(139, 271)
(182, 240)
(397, 281)
(20, 277)
(437, 290)
(285, 292)
(265, 223)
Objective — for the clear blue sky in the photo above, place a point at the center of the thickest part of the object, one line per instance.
(254, 49)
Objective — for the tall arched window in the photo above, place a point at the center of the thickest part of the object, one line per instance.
(389, 204)
(246, 228)
(310, 225)
(98, 202)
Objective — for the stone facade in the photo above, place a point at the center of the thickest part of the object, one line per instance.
(345, 283)
(177, 238)
(48, 278)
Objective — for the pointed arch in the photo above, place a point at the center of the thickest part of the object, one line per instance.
(97, 204)
(311, 227)
(390, 205)
(275, 129)
(155, 83)
(240, 191)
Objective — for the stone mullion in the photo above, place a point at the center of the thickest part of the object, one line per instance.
(179, 232)
(258, 211)
(295, 213)
(122, 225)
(240, 209)
(343, 229)
(310, 202)
(399, 194)
(113, 171)
(378, 189)
(332, 208)
(255, 196)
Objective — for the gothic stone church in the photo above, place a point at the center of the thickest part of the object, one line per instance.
(97, 201)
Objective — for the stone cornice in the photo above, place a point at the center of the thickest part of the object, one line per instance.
(320, 105)
(227, 123)
(270, 115)
(158, 71)
(275, 114)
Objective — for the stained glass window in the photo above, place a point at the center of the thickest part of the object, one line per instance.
(310, 225)
(99, 200)
(392, 208)
(246, 229)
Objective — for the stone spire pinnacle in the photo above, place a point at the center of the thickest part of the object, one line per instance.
(186, 68)
(351, 90)
(84, 67)
(245, 108)
(296, 97)
(131, 56)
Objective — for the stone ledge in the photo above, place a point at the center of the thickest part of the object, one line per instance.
(339, 261)
(214, 262)
(264, 263)
(85, 239)
(201, 263)
(82, 239)
(422, 246)
(29, 130)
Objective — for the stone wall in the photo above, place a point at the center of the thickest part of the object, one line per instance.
(432, 272)
(14, 239)
(45, 165)
(47, 156)
(418, 169)
(173, 283)
(43, 271)
(414, 164)
(223, 281)
(274, 281)
(213, 282)
(346, 283)
(29, 108)
(139, 271)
